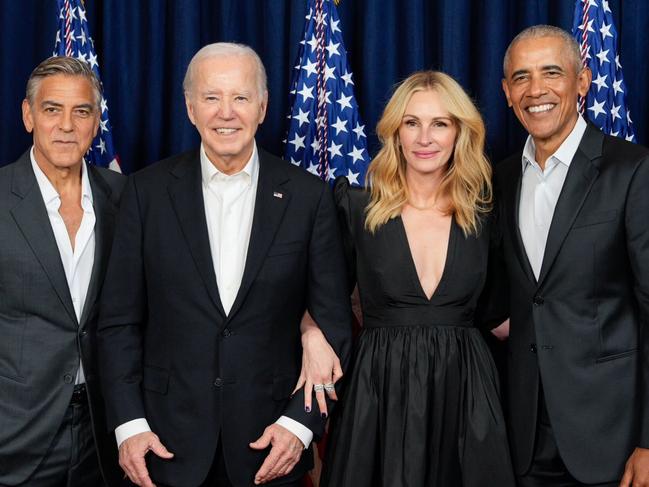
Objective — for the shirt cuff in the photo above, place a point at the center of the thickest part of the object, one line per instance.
(304, 434)
(131, 428)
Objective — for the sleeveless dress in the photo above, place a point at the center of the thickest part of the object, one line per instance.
(421, 406)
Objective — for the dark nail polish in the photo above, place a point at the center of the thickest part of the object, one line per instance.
(307, 409)
(324, 415)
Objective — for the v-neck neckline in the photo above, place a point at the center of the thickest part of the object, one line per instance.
(413, 267)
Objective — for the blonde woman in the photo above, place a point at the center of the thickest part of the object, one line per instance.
(421, 407)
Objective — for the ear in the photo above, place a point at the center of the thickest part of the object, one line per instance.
(263, 106)
(506, 90)
(584, 79)
(96, 129)
(190, 108)
(28, 118)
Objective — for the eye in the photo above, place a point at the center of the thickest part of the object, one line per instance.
(211, 98)
(241, 98)
(51, 110)
(83, 112)
(440, 124)
(411, 123)
(520, 78)
(553, 74)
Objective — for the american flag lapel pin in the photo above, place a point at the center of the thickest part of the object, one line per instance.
(277, 194)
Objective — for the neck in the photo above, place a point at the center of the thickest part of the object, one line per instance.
(229, 165)
(64, 179)
(544, 148)
(423, 190)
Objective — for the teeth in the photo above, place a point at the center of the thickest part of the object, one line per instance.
(225, 131)
(541, 108)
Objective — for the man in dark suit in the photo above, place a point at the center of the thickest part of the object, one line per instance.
(217, 254)
(574, 213)
(56, 225)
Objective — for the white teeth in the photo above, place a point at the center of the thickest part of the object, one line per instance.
(225, 131)
(541, 108)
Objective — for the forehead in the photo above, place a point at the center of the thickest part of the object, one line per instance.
(536, 53)
(426, 103)
(63, 88)
(226, 72)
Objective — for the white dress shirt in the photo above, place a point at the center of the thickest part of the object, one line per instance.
(540, 190)
(229, 208)
(77, 262)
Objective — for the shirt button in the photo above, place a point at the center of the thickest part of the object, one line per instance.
(218, 382)
(67, 378)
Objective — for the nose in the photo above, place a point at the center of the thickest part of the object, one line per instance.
(425, 136)
(537, 86)
(225, 108)
(65, 122)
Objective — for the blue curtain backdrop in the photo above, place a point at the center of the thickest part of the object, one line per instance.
(144, 47)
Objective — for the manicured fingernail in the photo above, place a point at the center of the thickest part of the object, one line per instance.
(324, 415)
(307, 409)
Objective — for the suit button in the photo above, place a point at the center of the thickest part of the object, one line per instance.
(83, 333)
(538, 300)
(226, 333)
(218, 382)
(67, 378)
(533, 347)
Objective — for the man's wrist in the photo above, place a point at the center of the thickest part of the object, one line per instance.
(304, 434)
(131, 428)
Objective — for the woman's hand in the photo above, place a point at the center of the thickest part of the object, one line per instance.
(320, 366)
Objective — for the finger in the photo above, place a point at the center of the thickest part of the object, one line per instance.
(322, 403)
(337, 370)
(141, 473)
(332, 394)
(159, 449)
(266, 467)
(627, 477)
(308, 393)
(300, 382)
(263, 441)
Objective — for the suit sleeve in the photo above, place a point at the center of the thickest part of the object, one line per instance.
(327, 300)
(122, 314)
(637, 234)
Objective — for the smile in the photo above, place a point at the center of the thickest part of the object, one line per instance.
(425, 155)
(225, 131)
(541, 108)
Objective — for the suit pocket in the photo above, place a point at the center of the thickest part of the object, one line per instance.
(155, 379)
(282, 248)
(282, 387)
(616, 356)
(595, 218)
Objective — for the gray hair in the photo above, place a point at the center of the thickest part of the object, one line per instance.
(226, 49)
(537, 31)
(67, 66)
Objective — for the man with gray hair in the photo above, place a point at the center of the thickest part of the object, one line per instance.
(573, 209)
(217, 254)
(56, 227)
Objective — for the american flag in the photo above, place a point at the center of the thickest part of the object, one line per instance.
(73, 39)
(326, 135)
(605, 104)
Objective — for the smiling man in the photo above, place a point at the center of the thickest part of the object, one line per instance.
(574, 211)
(218, 252)
(56, 226)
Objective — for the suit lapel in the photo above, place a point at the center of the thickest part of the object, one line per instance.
(187, 200)
(31, 217)
(579, 180)
(268, 213)
(513, 203)
(105, 212)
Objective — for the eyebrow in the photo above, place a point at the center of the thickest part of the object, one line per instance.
(49, 103)
(434, 118)
(549, 67)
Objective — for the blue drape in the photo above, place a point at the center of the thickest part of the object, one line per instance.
(144, 47)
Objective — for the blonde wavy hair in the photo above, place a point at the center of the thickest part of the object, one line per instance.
(467, 181)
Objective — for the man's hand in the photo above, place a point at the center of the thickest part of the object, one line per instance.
(636, 471)
(501, 332)
(131, 456)
(284, 455)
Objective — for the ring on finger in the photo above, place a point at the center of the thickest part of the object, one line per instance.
(329, 387)
(318, 387)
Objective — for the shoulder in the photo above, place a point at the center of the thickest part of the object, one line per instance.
(159, 173)
(305, 182)
(508, 166)
(621, 153)
(349, 196)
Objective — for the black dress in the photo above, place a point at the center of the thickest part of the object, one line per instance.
(421, 407)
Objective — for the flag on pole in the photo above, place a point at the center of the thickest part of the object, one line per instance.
(73, 40)
(605, 104)
(326, 135)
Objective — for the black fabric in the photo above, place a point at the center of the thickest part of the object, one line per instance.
(422, 405)
(580, 330)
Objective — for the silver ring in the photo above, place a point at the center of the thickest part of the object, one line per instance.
(329, 387)
(318, 387)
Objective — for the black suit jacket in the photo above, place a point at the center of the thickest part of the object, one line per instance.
(169, 352)
(581, 328)
(40, 337)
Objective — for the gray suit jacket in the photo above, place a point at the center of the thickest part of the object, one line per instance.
(41, 340)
